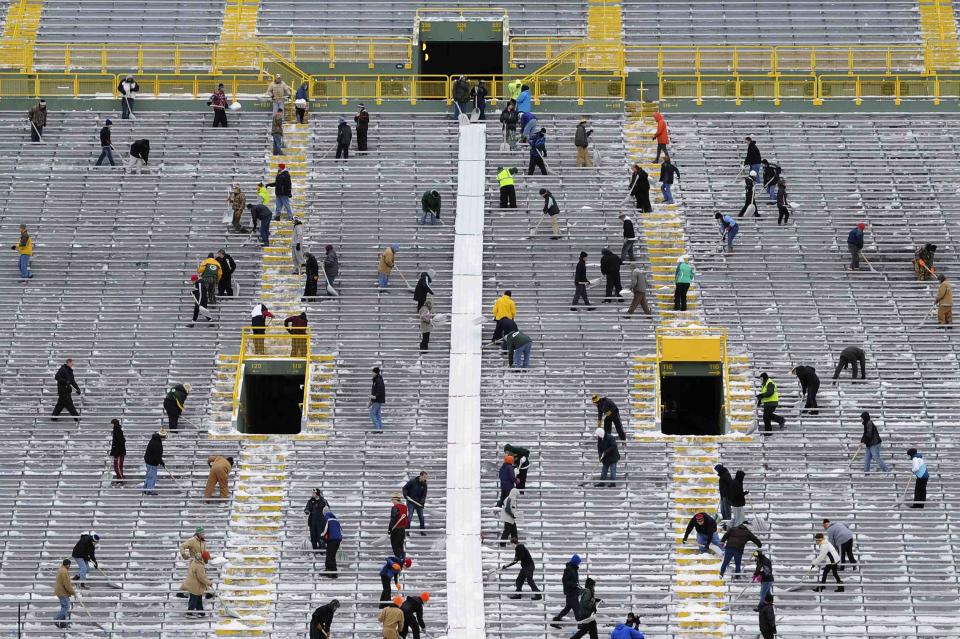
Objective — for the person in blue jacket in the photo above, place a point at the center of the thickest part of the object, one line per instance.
(524, 103)
(391, 571)
(920, 472)
(538, 151)
(332, 536)
(728, 229)
(508, 478)
(528, 124)
(627, 630)
(855, 244)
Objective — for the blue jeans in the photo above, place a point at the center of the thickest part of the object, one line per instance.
(195, 602)
(64, 612)
(731, 234)
(756, 169)
(382, 281)
(106, 152)
(704, 544)
(126, 107)
(24, 264)
(612, 468)
(667, 195)
(265, 231)
(84, 566)
(283, 202)
(150, 481)
(873, 452)
(276, 105)
(772, 191)
(724, 508)
(277, 143)
(521, 356)
(529, 128)
(731, 553)
(375, 409)
(766, 587)
(426, 214)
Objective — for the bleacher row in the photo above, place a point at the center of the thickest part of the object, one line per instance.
(787, 298)
(730, 22)
(113, 252)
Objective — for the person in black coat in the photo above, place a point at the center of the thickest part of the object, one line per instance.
(809, 385)
(153, 459)
(378, 397)
(322, 619)
(315, 520)
(768, 618)
(580, 283)
(227, 267)
(139, 154)
(174, 402)
(362, 118)
(852, 355)
(343, 139)
(724, 485)
(106, 145)
(423, 288)
(118, 449)
(65, 384)
(749, 199)
(313, 275)
(610, 268)
(522, 556)
(871, 442)
(571, 589)
(415, 492)
(412, 608)
(640, 188)
(738, 499)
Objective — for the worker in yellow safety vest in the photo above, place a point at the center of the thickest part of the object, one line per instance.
(769, 399)
(515, 88)
(508, 194)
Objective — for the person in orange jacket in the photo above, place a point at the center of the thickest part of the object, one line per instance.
(661, 136)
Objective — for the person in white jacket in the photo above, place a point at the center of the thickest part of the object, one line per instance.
(827, 557)
(508, 515)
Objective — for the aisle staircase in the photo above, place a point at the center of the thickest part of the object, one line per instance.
(700, 594)
(239, 20)
(938, 28)
(20, 32)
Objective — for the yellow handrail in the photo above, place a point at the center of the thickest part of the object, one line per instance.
(250, 339)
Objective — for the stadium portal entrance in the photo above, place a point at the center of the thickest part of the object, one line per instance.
(476, 60)
(691, 398)
(271, 397)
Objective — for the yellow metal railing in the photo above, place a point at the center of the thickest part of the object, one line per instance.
(389, 50)
(816, 89)
(272, 342)
(720, 334)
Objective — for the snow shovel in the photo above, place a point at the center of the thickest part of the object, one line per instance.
(475, 114)
(533, 231)
(854, 458)
(504, 145)
(330, 290)
(869, 265)
(801, 584)
(740, 594)
(409, 288)
(173, 477)
(926, 318)
(226, 610)
(547, 166)
(594, 282)
(87, 610)
(130, 114)
(36, 130)
(463, 118)
(110, 584)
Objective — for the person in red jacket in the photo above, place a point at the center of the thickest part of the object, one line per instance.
(661, 136)
(399, 522)
(218, 100)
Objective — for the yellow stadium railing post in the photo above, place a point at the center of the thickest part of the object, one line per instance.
(776, 90)
(409, 64)
(850, 65)
(140, 59)
(333, 54)
(66, 58)
(736, 84)
(379, 91)
(579, 90)
(896, 92)
(371, 56)
(857, 92)
(936, 90)
(889, 61)
(773, 60)
(699, 92)
(813, 61)
(735, 60)
(817, 91)
(696, 60)
(343, 90)
(103, 59)
(176, 59)
(660, 61)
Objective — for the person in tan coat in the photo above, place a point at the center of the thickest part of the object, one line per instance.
(219, 476)
(385, 266)
(279, 92)
(63, 590)
(197, 583)
(944, 301)
(196, 545)
(238, 204)
(392, 619)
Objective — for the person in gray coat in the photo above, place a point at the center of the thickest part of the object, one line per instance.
(841, 538)
(331, 264)
(638, 285)
(426, 323)
(296, 245)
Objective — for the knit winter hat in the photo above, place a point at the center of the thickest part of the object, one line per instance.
(199, 530)
(398, 600)
(864, 415)
(575, 560)
(911, 453)
(281, 166)
(698, 516)
(861, 226)
(424, 597)
(407, 562)
(395, 247)
(194, 277)
(508, 459)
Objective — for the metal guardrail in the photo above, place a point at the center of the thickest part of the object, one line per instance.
(813, 88)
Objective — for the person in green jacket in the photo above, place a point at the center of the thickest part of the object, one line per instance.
(682, 278)
(430, 203)
(520, 345)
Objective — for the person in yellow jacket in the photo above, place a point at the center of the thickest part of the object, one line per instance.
(210, 273)
(769, 398)
(944, 301)
(392, 619)
(197, 584)
(508, 192)
(515, 88)
(385, 266)
(63, 590)
(25, 248)
(503, 308)
(194, 546)
(219, 476)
